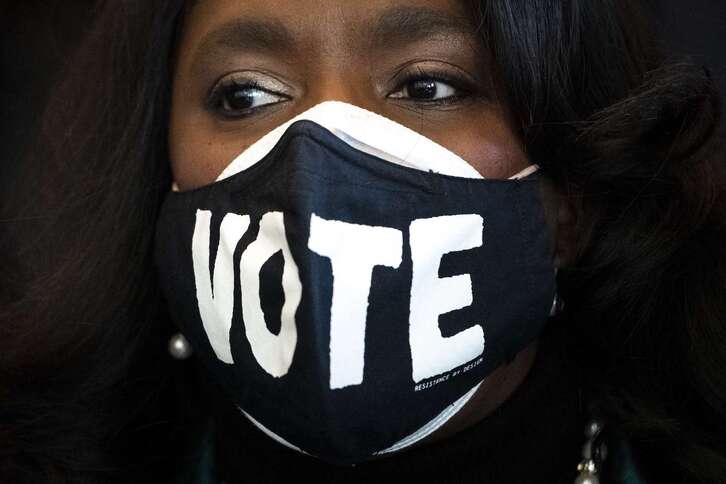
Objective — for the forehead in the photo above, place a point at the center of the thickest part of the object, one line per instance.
(291, 26)
(305, 13)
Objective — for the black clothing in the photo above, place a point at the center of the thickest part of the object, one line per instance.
(535, 436)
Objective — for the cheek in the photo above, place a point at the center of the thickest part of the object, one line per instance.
(492, 158)
(196, 161)
(199, 151)
(486, 142)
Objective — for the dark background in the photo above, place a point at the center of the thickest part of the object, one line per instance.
(36, 36)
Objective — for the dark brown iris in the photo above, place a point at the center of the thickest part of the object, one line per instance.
(422, 89)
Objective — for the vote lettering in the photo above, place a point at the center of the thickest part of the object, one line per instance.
(353, 250)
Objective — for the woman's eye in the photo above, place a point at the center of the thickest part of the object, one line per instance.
(239, 99)
(426, 90)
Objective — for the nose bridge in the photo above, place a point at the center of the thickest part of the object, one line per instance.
(336, 81)
(339, 69)
(341, 78)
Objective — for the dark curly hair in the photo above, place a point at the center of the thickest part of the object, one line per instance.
(631, 138)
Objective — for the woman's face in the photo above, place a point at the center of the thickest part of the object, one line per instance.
(417, 62)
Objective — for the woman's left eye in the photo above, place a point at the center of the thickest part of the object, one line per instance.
(429, 89)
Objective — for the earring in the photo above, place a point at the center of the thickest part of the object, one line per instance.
(555, 305)
(594, 453)
(179, 347)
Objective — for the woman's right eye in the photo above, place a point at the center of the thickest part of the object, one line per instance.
(241, 98)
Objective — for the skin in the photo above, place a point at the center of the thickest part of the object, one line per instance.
(335, 57)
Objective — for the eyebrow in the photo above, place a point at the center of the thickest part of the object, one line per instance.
(394, 27)
(249, 34)
(402, 25)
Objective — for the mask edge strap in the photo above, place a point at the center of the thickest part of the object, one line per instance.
(527, 171)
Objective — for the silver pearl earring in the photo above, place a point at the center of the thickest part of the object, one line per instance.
(555, 305)
(179, 347)
(556, 302)
(593, 455)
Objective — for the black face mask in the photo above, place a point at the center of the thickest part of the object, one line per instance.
(351, 283)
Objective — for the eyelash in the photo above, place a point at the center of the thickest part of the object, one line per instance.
(216, 99)
(463, 87)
